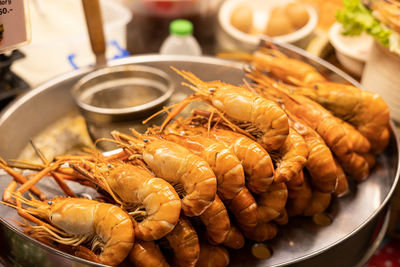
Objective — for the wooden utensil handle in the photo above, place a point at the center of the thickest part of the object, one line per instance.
(94, 23)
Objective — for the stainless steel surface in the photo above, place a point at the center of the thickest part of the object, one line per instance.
(119, 97)
(343, 243)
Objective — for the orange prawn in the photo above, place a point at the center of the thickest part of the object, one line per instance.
(147, 254)
(234, 239)
(292, 159)
(104, 227)
(321, 163)
(185, 243)
(298, 197)
(272, 202)
(226, 166)
(367, 111)
(253, 115)
(280, 65)
(212, 256)
(216, 221)
(311, 113)
(137, 189)
(256, 161)
(176, 165)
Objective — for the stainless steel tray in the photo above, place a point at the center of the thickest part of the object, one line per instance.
(343, 243)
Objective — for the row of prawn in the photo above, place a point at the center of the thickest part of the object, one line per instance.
(194, 164)
(265, 152)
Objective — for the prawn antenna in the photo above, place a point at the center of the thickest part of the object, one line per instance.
(38, 152)
(21, 164)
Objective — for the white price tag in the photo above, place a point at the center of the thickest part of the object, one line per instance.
(14, 24)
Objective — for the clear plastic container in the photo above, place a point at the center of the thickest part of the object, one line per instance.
(151, 18)
(180, 41)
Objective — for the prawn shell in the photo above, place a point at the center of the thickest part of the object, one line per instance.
(137, 186)
(217, 222)
(176, 164)
(226, 166)
(272, 203)
(147, 254)
(256, 161)
(261, 232)
(234, 239)
(319, 203)
(244, 106)
(366, 110)
(113, 225)
(185, 243)
(298, 197)
(320, 163)
(212, 256)
(244, 208)
(294, 154)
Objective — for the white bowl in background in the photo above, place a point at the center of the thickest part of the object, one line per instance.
(351, 51)
(229, 38)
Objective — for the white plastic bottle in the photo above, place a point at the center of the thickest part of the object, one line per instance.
(180, 41)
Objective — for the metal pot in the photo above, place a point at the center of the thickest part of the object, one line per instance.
(356, 216)
(119, 97)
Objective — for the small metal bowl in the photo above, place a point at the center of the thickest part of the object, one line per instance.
(120, 97)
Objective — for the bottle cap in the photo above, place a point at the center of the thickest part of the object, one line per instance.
(181, 27)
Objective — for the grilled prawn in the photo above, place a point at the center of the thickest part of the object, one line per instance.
(255, 116)
(176, 165)
(281, 66)
(104, 227)
(185, 244)
(137, 189)
(366, 110)
(256, 162)
(321, 163)
(147, 254)
(272, 202)
(216, 221)
(322, 121)
(292, 157)
(226, 166)
(212, 256)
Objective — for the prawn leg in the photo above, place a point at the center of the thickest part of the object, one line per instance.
(294, 154)
(19, 178)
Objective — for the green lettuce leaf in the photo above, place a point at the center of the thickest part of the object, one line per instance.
(356, 18)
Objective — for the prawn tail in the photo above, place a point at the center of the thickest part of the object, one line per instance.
(261, 232)
(234, 239)
(244, 207)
